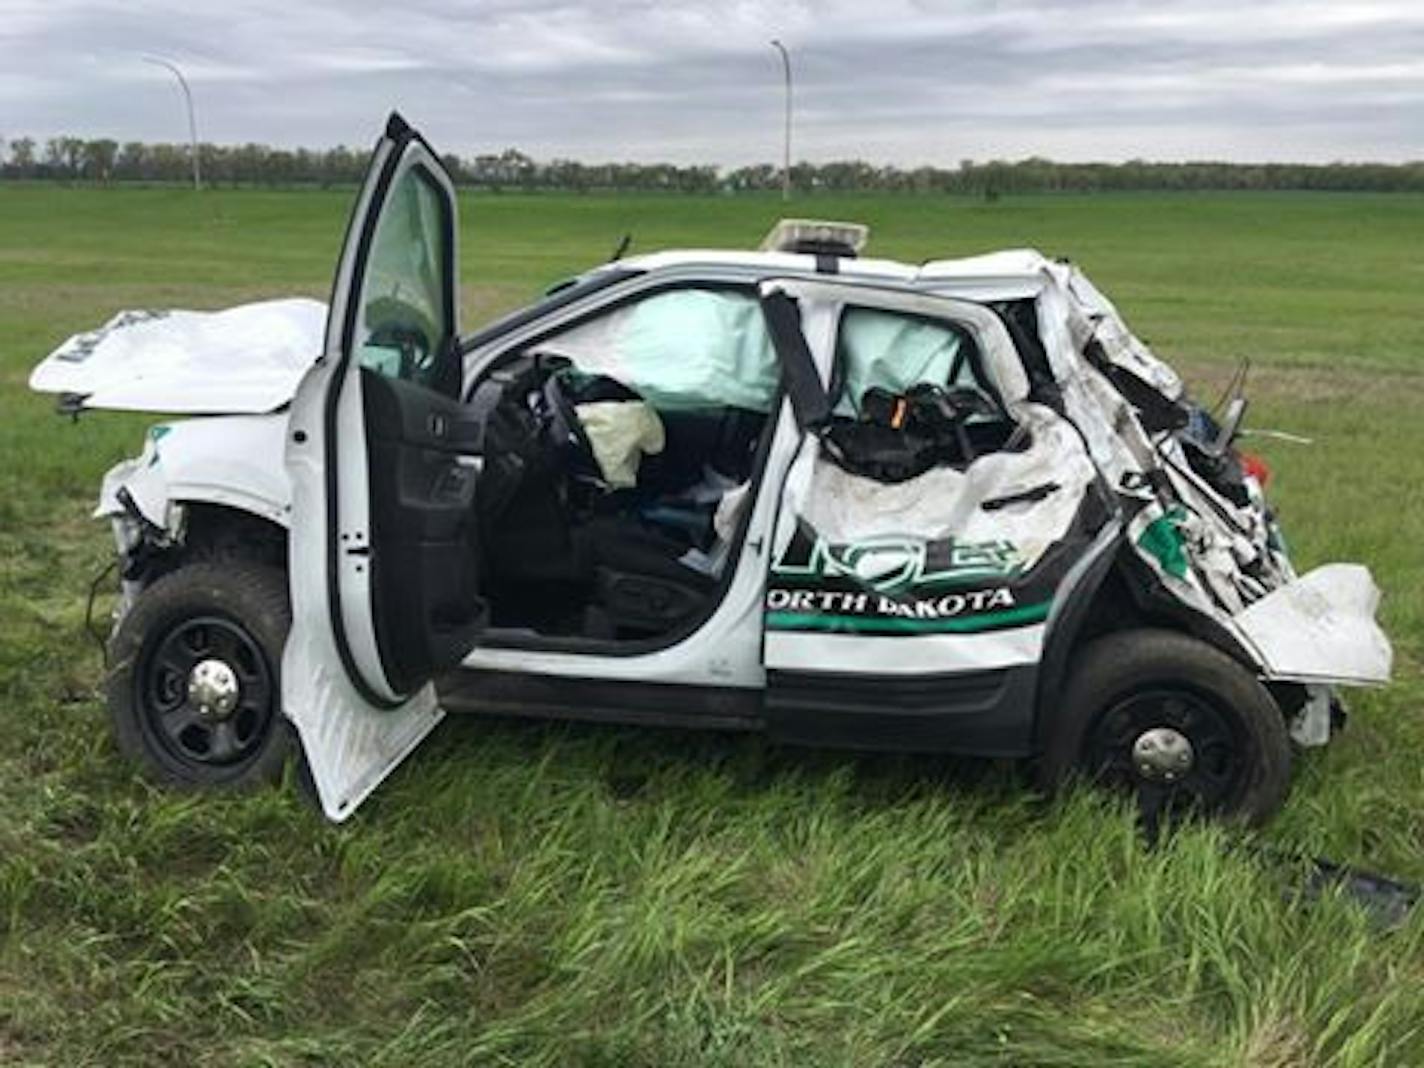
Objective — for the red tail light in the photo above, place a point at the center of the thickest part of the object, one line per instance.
(1256, 467)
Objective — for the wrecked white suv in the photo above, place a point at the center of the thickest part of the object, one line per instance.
(954, 507)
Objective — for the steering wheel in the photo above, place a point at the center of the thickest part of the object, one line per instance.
(568, 433)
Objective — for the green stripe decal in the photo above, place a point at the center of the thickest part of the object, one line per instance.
(1028, 613)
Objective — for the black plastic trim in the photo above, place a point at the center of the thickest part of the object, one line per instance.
(1065, 628)
(1020, 319)
(985, 713)
(513, 693)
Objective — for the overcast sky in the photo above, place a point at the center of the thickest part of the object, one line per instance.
(888, 80)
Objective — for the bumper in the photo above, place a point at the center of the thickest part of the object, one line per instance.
(1320, 628)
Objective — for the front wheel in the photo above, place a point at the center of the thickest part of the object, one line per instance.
(194, 693)
(1174, 722)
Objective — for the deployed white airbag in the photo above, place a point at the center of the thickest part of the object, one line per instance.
(684, 350)
(894, 352)
(245, 360)
(621, 433)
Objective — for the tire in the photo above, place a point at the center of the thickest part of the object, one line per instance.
(229, 731)
(1135, 693)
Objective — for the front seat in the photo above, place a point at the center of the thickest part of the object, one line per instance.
(542, 563)
(639, 582)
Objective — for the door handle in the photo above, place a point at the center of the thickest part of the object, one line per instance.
(1028, 496)
(456, 482)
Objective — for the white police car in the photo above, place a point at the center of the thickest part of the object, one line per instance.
(950, 507)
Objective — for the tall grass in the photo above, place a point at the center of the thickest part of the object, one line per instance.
(549, 894)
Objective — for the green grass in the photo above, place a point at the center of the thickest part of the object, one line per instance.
(546, 894)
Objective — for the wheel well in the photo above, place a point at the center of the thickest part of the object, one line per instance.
(1113, 608)
(220, 534)
(1125, 601)
(209, 533)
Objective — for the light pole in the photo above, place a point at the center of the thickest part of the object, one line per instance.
(786, 144)
(192, 122)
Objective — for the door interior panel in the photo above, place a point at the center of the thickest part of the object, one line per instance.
(423, 468)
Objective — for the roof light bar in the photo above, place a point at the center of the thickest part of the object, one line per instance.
(817, 237)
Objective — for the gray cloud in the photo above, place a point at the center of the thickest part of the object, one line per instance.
(907, 81)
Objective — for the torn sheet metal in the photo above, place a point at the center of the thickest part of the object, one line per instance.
(1219, 557)
(244, 360)
(1092, 317)
(1041, 489)
(1320, 628)
(955, 567)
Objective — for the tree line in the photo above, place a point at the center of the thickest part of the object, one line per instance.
(103, 160)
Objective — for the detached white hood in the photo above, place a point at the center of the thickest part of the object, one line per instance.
(244, 360)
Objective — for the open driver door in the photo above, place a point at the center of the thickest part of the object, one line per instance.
(383, 461)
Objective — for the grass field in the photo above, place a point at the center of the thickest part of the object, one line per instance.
(544, 894)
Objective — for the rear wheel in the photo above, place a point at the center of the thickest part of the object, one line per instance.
(194, 693)
(1174, 722)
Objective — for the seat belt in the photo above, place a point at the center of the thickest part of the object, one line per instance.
(809, 400)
